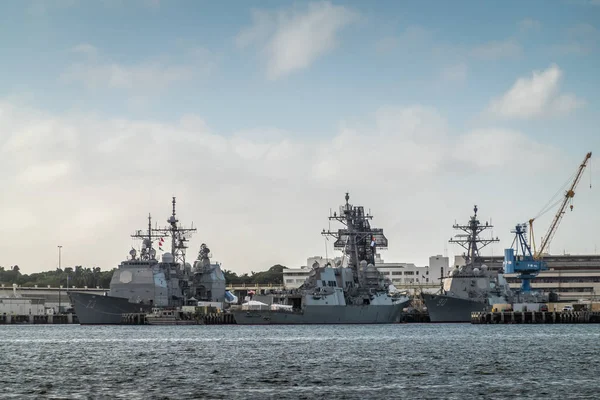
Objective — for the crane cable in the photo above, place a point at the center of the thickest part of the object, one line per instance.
(549, 206)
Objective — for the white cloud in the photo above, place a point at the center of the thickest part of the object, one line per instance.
(535, 96)
(496, 50)
(529, 24)
(580, 39)
(85, 49)
(456, 73)
(258, 197)
(414, 36)
(43, 173)
(96, 73)
(293, 39)
(43, 7)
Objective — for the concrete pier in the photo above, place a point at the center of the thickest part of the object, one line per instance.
(13, 319)
(536, 317)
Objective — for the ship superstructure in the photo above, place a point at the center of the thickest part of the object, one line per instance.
(352, 291)
(469, 287)
(143, 282)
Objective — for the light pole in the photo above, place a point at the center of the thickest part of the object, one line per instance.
(59, 267)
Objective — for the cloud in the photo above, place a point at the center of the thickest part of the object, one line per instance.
(496, 50)
(529, 24)
(293, 39)
(100, 73)
(535, 96)
(85, 49)
(414, 36)
(456, 73)
(581, 39)
(43, 7)
(87, 182)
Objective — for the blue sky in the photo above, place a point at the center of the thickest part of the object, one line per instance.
(310, 82)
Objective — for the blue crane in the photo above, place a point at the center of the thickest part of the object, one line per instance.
(519, 259)
(525, 263)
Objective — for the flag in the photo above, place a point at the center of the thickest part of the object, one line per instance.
(160, 243)
(372, 241)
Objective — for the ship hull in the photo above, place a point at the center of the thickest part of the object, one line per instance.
(443, 308)
(313, 315)
(92, 309)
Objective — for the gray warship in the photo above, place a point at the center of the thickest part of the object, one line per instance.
(143, 283)
(351, 292)
(470, 287)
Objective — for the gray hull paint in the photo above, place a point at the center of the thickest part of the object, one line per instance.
(442, 308)
(92, 309)
(323, 315)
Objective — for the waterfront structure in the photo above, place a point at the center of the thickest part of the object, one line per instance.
(470, 287)
(404, 276)
(142, 282)
(571, 277)
(351, 291)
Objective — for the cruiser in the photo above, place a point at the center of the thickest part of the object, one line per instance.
(351, 292)
(143, 283)
(471, 287)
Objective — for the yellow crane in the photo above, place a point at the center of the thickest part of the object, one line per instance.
(567, 198)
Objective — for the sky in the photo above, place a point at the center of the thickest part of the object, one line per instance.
(258, 116)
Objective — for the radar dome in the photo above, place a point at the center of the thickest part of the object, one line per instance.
(172, 219)
(475, 271)
(363, 264)
(132, 253)
(484, 267)
(167, 258)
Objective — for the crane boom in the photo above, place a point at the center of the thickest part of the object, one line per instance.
(561, 211)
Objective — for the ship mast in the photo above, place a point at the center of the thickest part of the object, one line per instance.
(358, 241)
(148, 252)
(179, 236)
(471, 241)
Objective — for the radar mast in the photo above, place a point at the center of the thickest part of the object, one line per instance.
(470, 240)
(358, 241)
(179, 236)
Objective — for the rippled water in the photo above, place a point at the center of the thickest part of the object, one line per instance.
(420, 361)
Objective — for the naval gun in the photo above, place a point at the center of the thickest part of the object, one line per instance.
(519, 259)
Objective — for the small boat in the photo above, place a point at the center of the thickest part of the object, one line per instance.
(170, 316)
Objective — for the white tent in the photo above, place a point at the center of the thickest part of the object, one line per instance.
(254, 305)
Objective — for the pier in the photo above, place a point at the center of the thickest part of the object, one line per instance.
(200, 319)
(536, 317)
(14, 319)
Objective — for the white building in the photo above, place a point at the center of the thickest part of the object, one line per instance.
(402, 275)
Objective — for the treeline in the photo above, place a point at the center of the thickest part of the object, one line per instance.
(92, 277)
(273, 275)
(78, 277)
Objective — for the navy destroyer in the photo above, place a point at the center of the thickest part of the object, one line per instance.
(143, 283)
(470, 287)
(352, 291)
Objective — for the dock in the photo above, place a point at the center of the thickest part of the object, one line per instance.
(14, 319)
(199, 319)
(536, 317)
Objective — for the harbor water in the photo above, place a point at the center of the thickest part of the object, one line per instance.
(418, 361)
